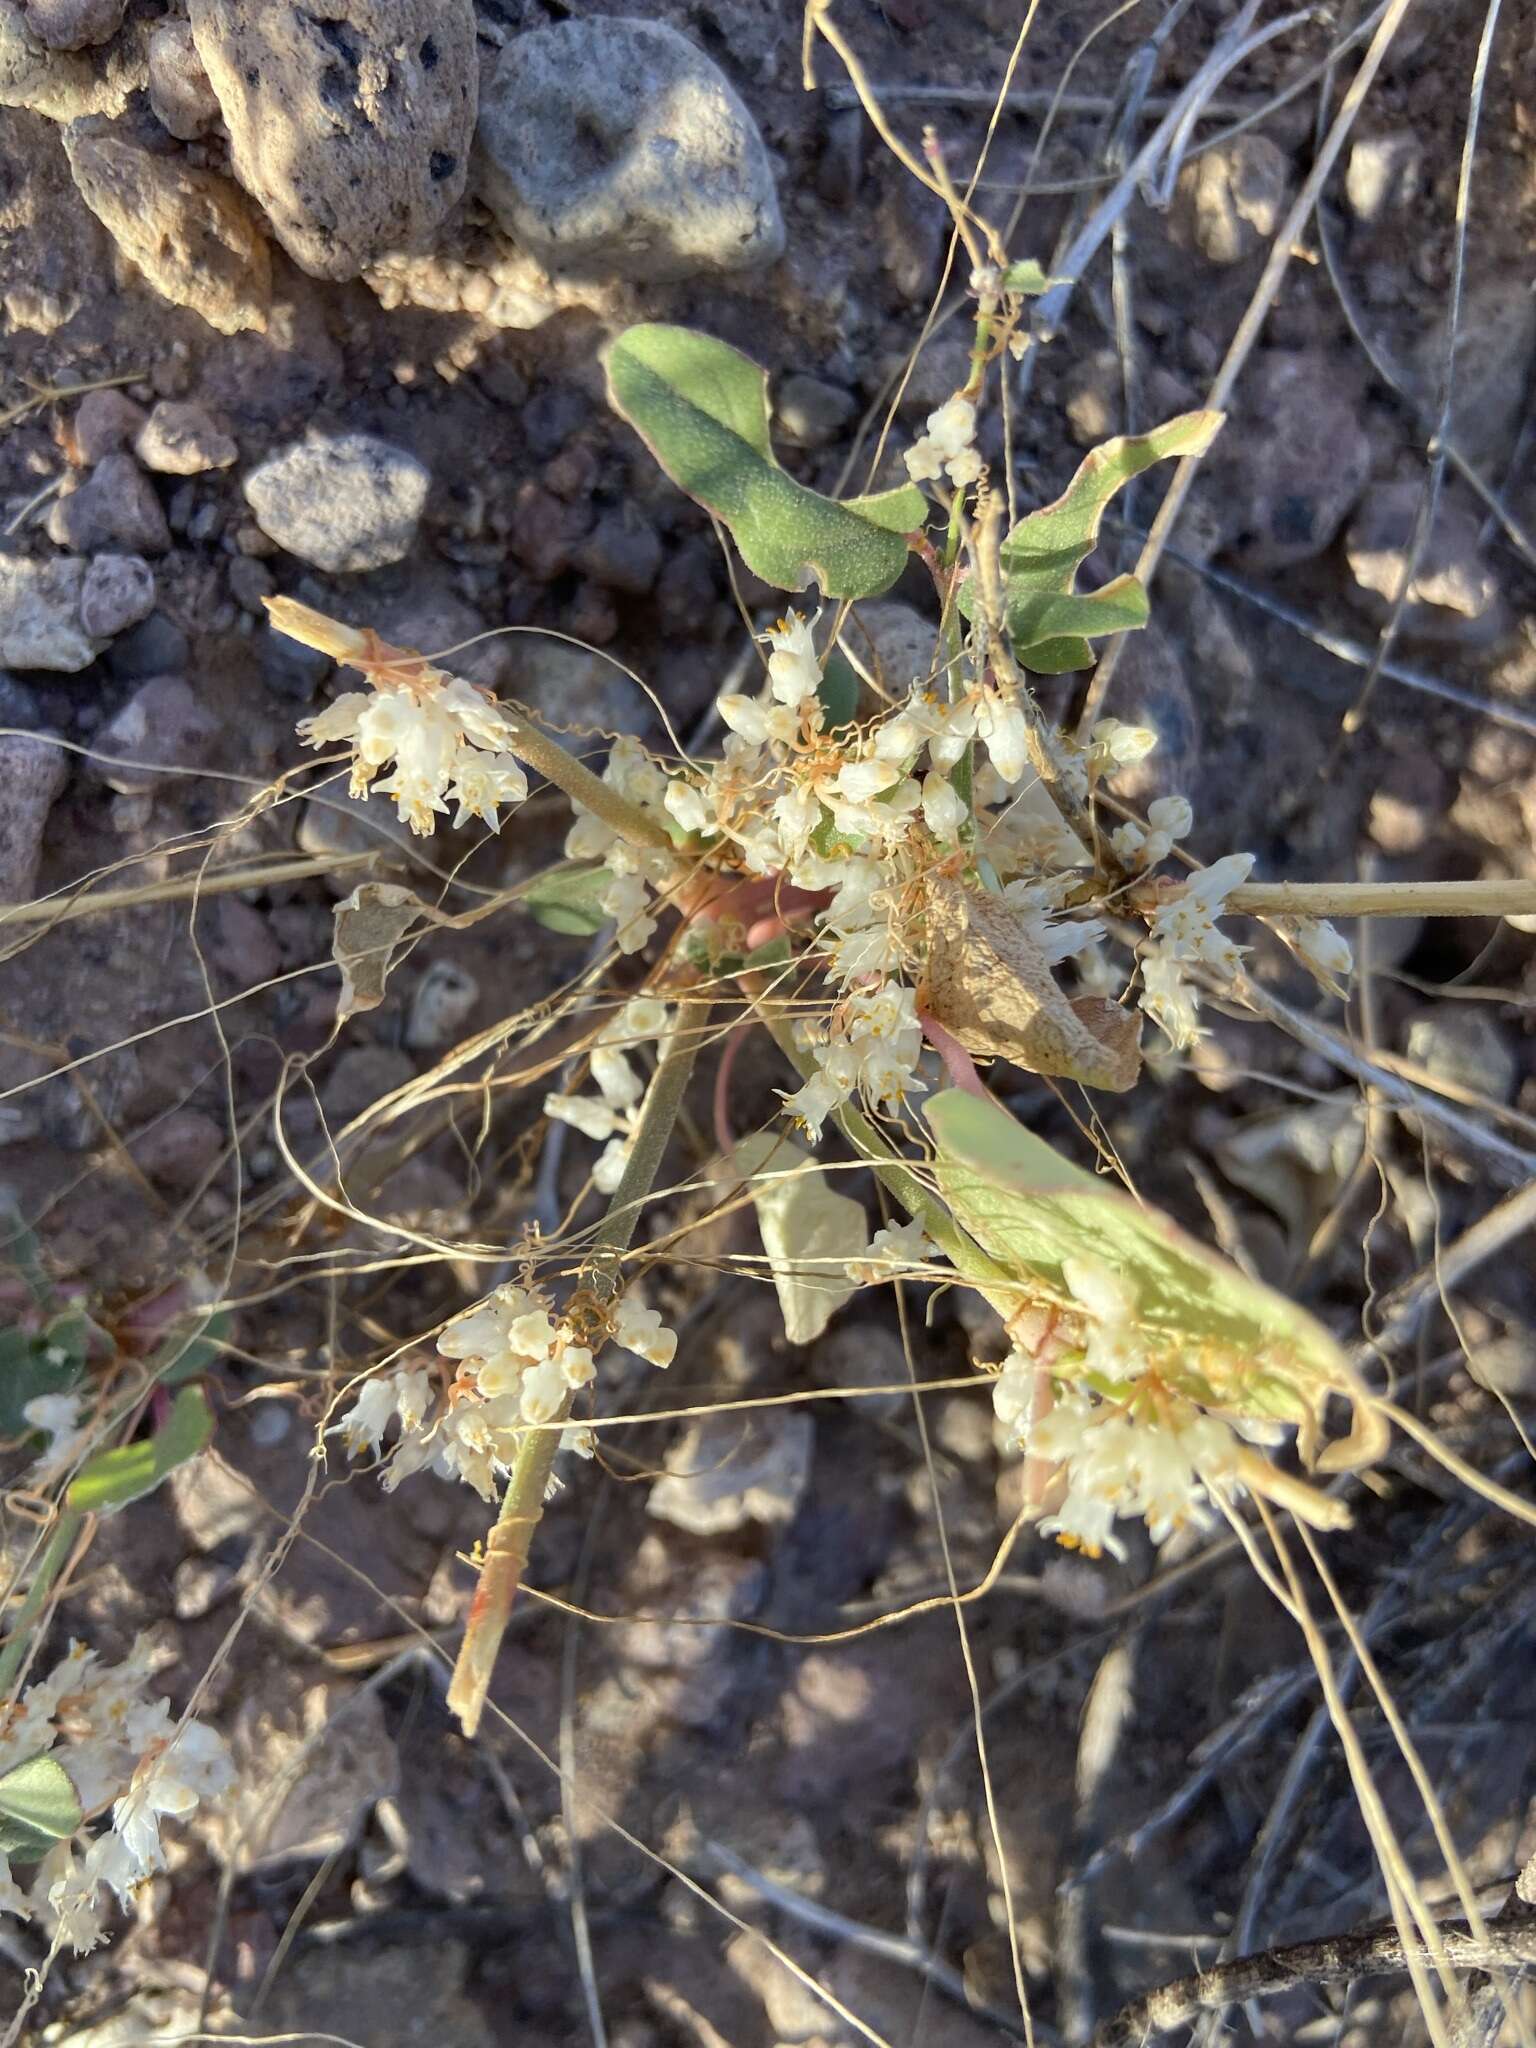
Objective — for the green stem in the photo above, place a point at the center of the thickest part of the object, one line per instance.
(583, 787)
(522, 1505)
(49, 1565)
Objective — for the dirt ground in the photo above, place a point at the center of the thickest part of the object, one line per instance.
(1162, 1774)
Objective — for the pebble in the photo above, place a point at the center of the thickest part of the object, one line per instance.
(342, 501)
(183, 101)
(249, 582)
(32, 773)
(177, 1149)
(1383, 174)
(727, 1471)
(941, 370)
(363, 1075)
(162, 726)
(74, 24)
(616, 148)
(63, 85)
(118, 591)
(190, 233)
(181, 438)
(155, 647)
(811, 412)
(1461, 1044)
(40, 615)
(351, 128)
(1495, 353)
(1454, 594)
(1229, 200)
(115, 508)
(441, 1005)
(1295, 458)
(622, 552)
(892, 643)
(104, 421)
(546, 531)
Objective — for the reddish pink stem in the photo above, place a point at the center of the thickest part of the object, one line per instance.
(725, 1136)
(958, 1064)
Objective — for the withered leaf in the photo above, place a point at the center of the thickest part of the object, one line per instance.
(987, 981)
(369, 925)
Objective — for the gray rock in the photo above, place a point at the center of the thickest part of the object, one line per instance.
(441, 1005)
(104, 421)
(118, 591)
(178, 1149)
(161, 727)
(616, 148)
(181, 438)
(890, 644)
(1230, 199)
(576, 689)
(1495, 351)
(363, 1075)
(155, 647)
(189, 232)
(1461, 1044)
(727, 1471)
(250, 582)
(1383, 174)
(74, 24)
(622, 552)
(184, 102)
(811, 412)
(939, 372)
(1454, 594)
(32, 773)
(1297, 457)
(63, 85)
(351, 128)
(40, 615)
(115, 508)
(341, 501)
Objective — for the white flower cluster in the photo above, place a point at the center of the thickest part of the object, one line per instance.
(448, 742)
(947, 446)
(118, 1749)
(516, 1365)
(635, 871)
(609, 1117)
(1142, 1449)
(896, 1251)
(1183, 931)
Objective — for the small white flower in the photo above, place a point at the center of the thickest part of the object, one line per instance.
(594, 1118)
(894, 1249)
(1325, 950)
(641, 1330)
(944, 809)
(685, 802)
(1113, 745)
(794, 673)
(1001, 728)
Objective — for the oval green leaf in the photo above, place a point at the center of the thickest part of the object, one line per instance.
(701, 407)
(38, 1807)
(127, 1472)
(568, 900)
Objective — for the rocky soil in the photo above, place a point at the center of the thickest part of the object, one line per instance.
(310, 302)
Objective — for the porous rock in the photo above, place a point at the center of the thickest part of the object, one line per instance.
(182, 438)
(64, 84)
(118, 591)
(32, 772)
(115, 508)
(341, 501)
(189, 232)
(40, 615)
(615, 148)
(179, 91)
(351, 127)
(74, 24)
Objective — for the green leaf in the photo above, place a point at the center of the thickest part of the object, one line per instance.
(127, 1472)
(38, 1807)
(568, 901)
(1042, 555)
(48, 1361)
(1032, 1210)
(189, 1353)
(701, 407)
(838, 691)
(1028, 279)
(1052, 627)
(808, 1231)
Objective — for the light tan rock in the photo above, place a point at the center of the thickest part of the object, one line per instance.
(190, 233)
(65, 84)
(351, 131)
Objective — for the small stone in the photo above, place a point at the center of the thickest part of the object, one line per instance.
(1383, 174)
(178, 1149)
(1229, 199)
(728, 1471)
(32, 773)
(363, 1075)
(74, 24)
(181, 438)
(1454, 594)
(622, 552)
(615, 148)
(184, 102)
(811, 412)
(40, 615)
(162, 726)
(1297, 460)
(890, 643)
(546, 531)
(1460, 1044)
(115, 508)
(575, 689)
(64, 85)
(118, 591)
(351, 128)
(1495, 351)
(942, 369)
(104, 422)
(341, 501)
(197, 1586)
(155, 647)
(189, 232)
(1095, 394)
(441, 1006)
(239, 943)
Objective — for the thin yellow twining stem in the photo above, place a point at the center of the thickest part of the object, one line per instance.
(182, 888)
(522, 1506)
